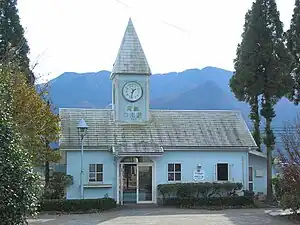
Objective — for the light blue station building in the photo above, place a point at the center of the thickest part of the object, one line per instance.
(130, 149)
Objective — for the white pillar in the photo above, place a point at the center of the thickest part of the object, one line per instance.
(118, 181)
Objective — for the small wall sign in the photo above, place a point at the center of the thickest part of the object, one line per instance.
(199, 175)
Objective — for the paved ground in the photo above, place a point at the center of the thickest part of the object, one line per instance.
(164, 216)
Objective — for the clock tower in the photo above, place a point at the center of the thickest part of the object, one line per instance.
(130, 80)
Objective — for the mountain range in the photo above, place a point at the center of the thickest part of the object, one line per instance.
(207, 88)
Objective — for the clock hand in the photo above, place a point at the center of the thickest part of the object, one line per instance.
(133, 90)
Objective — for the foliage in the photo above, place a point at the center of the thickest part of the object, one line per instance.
(36, 121)
(13, 45)
(19, 186)
(77, 205)
(204, 194)
(262, 70)
(287, 185)
(57, 184)
(203, 189)
(277, 181)
(287, 188)
(243, 83)
(248, 193)
(293, 45)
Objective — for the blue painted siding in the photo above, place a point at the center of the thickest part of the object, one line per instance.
(91, 157)
(258, 163)
(208, 159)
(239, 161)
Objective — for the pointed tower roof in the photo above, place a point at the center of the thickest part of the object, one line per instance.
(131, 58)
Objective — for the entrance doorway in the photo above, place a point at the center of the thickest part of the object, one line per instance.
(136, 180)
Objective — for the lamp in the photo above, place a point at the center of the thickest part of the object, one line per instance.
(82, 128)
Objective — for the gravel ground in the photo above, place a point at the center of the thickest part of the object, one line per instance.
(164, 216)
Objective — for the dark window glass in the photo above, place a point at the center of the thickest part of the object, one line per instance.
(174, 172)
(222, 171)
(92, 167)
(178, 167)
(177, 176)
(99, 167)
(99, 177)
(171, 167)
(170, 176)
(92, 177)
(250, 186)
(250, 173)
(95, 172)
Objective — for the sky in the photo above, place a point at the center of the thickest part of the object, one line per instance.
(84, 36)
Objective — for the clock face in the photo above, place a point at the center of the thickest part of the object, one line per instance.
(132, 91)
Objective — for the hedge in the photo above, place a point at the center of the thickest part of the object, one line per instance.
(287, 196)
(202, 189)
(204, 194)
(77, 205)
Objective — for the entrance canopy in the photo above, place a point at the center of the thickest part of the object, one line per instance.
(138, 149)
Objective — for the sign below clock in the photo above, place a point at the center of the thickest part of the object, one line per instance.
(133, 113)
(199, 175)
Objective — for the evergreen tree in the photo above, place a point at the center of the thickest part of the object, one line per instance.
(293, 44)
(13, 45)
(275, 63)
(264, 67)
(19, 186)
(243, 82)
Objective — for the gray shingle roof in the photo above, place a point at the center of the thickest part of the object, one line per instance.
(138, 148)
(131, 58)
(166, 128)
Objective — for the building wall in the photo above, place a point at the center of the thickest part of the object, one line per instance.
(91, 157)
(208, 159)
(238, 161)
(259, 165)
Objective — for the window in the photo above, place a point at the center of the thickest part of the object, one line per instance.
(222, 171)
(250, 178)
(96, 173)
(174, 172)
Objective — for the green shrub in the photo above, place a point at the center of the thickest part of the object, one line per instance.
(20, 187)
(277, 185)
(203, 194)
(290, 201)
(57, 184)
(287, 193)
(77, 205)
(202, 189)
(248, 193)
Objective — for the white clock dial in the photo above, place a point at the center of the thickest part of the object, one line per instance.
(132, 91)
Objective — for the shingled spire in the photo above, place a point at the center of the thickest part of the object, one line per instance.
(131, 58)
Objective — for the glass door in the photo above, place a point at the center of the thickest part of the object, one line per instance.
(144, 183)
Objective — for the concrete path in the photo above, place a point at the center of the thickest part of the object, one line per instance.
(164, 216)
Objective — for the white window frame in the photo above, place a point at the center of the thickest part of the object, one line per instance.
(174, 172)
(250, 181)
(96, 172)
(228, 172)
